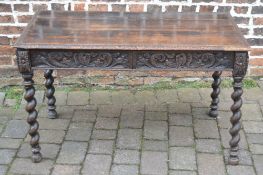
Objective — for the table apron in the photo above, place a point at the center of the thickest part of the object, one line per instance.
(127, 60)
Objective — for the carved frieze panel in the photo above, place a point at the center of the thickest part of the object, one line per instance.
(79, 59)
(185, 60)
(240, 64)
(23, 60)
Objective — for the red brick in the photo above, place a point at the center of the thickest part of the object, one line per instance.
(6, 19)
(21, 7)
(4, 40)
(24, 19)
(258, 21)
(256, 61)
(136, 8)
(256, 52)
(241, 10)
(188, 8)
(7, 50)
(5, 7)
(118, 8)
(39, 7)
(256, 71)
(98, 7)
(79, 7)
(5, 60)
(206, 8)
(10, 30)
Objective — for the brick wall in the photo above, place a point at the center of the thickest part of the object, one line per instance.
(248, 14)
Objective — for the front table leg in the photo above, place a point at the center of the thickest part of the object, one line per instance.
(239, 71)
(51, 100)
(32, 115)
(214, 95)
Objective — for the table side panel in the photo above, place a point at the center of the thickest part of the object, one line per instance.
(176, 60)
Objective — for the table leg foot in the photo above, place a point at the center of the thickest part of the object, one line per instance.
(32, 116)
(50, 90)
(213, 112)
(235, 120)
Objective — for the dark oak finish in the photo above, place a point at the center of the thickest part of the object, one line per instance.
(127, 41)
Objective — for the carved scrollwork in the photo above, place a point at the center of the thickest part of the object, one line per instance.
(79, 59)
(23, 61)
(240, 64)
(190, 60)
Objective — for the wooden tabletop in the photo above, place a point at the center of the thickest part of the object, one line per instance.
(132, 31)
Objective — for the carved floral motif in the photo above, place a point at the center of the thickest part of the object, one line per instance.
(240, 65)
(79, 59)
(23, 61)
(191, 60)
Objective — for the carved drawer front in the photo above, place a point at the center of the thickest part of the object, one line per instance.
(81, 59)
(184, 60)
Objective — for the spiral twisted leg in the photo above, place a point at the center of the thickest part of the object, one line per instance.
(51, 100)
(214, 95)
(32, 116)
(235, 120)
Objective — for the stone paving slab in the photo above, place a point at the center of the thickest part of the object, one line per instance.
(161, 132)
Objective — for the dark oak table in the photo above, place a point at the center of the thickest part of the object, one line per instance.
(128, 41)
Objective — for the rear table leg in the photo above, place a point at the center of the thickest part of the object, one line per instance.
(214, 95)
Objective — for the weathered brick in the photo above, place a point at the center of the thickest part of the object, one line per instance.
(154, 8)
(79, 7)
(5, 7)
(10, 30)
(21, 7)
(57, 6)
(39, 7)
(257, 10)
(6, 19)
(98, 7)
(4, 40)
(171, 8)
(241, 10)
(136, 8)
(24, 19)
(188, 8)
(118, 7)
(206, 8)
(258, 21)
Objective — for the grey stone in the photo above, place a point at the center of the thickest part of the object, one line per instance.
(255, 138)
(16, 129)
(206, 129)
(122, 97)
(256, 148)
(244, 157)
(125, 170)
(253, 127)
(129, 138)
(145, 97)
(84, 116)
(156, 108)
(182, 158)
(7, 156)
(189, 95)
(101, 146)
(25, 166)
(179, 108)
(258, 162)
(50, 136)
(106, 123)
(72, 152)
(2, 98)
(79, 131)
(224, 119)
(240, 170)
(156, 115)
(226, 94)
(205, 94)
(182, 173)
(48, 150)
(60, 124)
(253, 94)
(207, 162)
(156, 130)
(74, 98)
(154, 163)
(155, 145)
(180, 120)
(66, 170)
(131, 119)
(61, 98)
(225, 137)
(3, 169)
(109, 111)
(10, 102)
(96, 165)
(167, 96)
(9, 143)
(251, 112)
(104, 134)
(201, 113)
(100, 97)
(208, 146)
(181, 136)
(126, 157)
